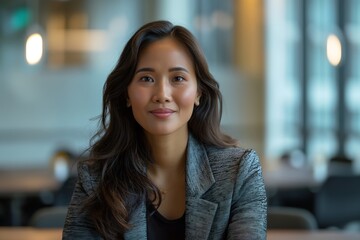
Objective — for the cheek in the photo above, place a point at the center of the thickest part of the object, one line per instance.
(137, 101)
(187, 98)
(136, 97)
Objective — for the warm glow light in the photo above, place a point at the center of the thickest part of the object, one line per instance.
(74, 40)
(34, 48)
(333, 50)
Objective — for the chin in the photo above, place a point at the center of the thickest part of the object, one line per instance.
(163, 132)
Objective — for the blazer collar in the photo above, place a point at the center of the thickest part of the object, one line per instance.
(199, 178)
(199, 212)
(199, 175)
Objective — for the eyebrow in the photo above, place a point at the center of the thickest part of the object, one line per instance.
(145, 70)
(174, 69)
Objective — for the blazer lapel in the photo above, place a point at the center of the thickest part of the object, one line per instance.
(199, 212)
(138, 222)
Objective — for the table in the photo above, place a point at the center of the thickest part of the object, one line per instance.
(19, 184)
(27, 233)
(287, 177)
(26, 181)
(311, 235)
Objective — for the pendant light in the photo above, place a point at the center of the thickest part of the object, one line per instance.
(34, 46)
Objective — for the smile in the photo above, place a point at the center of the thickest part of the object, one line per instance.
(162, 113)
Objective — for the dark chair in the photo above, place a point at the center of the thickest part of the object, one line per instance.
(337, 202)
(340, 165)
(290, 218)
(64, 193)
(49, 217)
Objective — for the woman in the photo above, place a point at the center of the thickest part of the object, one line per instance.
(160, 167)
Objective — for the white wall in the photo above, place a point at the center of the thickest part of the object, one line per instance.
(43, 111)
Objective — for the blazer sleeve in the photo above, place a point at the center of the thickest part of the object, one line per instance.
(77, 224)
(249, 205)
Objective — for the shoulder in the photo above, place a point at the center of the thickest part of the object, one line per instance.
(88, 176)
(233, 164)
(231, 156)
(230, 167)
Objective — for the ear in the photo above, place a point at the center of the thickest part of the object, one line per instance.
(197, 99)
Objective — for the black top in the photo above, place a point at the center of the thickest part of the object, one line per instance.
(160, 228)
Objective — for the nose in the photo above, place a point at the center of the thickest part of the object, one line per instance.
(162, 92)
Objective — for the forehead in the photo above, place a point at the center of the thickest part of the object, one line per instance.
(166, 50)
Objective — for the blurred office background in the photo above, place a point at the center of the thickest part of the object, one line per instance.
(287, 69)
(51, 104)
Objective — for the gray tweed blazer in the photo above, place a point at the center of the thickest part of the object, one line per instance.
(225, 197)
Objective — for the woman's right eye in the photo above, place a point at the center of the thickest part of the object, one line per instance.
(146, 79)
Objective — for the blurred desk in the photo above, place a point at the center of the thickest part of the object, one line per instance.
(311, 235)
(19, 184)
(287, 177)
(293, 187)
(26, 182)
(27, 233)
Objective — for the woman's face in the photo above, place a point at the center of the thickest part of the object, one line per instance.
(163, 91)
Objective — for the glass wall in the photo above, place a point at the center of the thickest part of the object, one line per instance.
(352, 89)
(322, 90)
(312, 102)
(283, 77)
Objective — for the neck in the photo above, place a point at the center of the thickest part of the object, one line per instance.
(169, 152)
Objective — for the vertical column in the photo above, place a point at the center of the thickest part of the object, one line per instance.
(249, 37)
(249, 59)
(303, 73)
(341, 79)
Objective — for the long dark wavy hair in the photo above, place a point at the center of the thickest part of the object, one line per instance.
(119, 151)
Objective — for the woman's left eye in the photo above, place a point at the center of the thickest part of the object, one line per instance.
(179, 78)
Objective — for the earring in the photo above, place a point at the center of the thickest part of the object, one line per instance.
(197, 100)
(128, 103)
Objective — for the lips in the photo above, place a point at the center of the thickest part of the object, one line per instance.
(162, 112)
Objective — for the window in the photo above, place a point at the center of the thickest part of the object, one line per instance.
(311, 104)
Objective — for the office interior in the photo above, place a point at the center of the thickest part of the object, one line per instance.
(288, 70)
